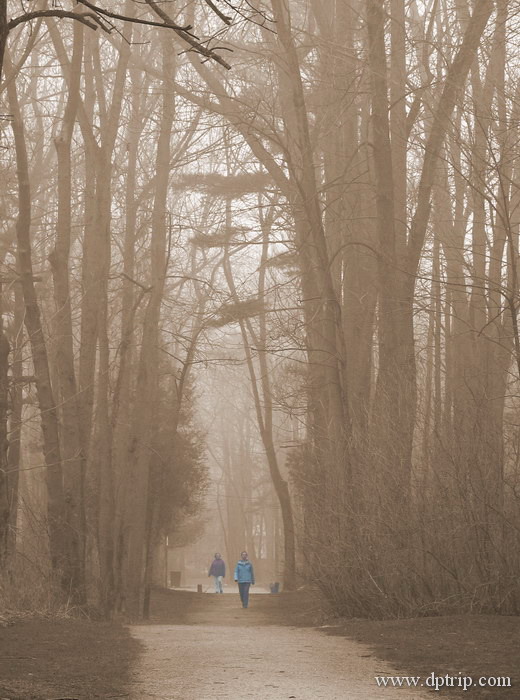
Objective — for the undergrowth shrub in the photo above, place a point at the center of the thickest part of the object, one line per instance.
(30, 590)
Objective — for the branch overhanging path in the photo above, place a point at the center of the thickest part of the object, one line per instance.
(101, 17)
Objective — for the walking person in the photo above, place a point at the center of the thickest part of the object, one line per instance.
(218, 571)
(245, 577)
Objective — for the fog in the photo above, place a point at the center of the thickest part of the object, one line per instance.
(259, 275)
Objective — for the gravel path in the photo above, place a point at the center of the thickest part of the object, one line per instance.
(223, 651)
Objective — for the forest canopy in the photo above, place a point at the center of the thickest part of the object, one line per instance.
(296, 215)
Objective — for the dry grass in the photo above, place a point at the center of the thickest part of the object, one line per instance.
(475, 645)
(28, 592)
(66, 659)
(48, 648)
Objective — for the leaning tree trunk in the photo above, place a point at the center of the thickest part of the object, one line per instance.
(264, 407)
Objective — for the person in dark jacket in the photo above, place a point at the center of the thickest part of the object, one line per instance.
(245, 577)
(218, 571)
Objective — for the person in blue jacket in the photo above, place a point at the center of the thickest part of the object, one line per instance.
(245, 577)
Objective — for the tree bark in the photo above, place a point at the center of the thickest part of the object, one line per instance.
(5, 500)
(74, 475)
(15, 419)
(327, 361)
(143, 420)
(59, 538)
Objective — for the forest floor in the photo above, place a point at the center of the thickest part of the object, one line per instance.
(202, 646)
(65, 659)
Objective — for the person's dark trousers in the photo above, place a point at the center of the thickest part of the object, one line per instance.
(243, 589)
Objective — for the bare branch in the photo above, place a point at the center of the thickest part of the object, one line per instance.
(125, 18)
(196, 45)
(219, 13)
(83, 18)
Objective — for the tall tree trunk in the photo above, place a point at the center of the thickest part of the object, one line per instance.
(5, 501)
(395, 398)
(59, 536)
(113, 476)
(327, 361)
(74, 475)
(15, 419)
(144, 419)
(397, 378)
(3, 33)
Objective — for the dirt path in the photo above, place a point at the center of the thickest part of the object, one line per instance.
(215, 649)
